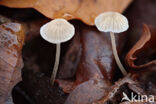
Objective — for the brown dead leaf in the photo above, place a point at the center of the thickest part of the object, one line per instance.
(85, 10)
(144, 85)
(97, 59)
(143, 52)
(88, 92)
(94, 58)
(147, 80)
(115, 93)
(11, 42)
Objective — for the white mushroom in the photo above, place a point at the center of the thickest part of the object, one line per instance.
(56, 32)
(113, 22)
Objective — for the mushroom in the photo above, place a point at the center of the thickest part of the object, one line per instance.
(56, 32)
(113, 22)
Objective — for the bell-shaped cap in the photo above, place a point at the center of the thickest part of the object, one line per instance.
(57, 31)
(111, 22)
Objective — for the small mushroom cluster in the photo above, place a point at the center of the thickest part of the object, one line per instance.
(60, 30)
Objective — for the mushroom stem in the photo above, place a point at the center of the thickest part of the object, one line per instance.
(57, 59)
(122, 69)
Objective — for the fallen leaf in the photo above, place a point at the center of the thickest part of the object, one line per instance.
(96, 65)
(144, 85)
(114, 94)
(147, 80)
(97, 60)
(142, 53)
(32, 26)
(85, 10)
(11, 43)
(88, 92)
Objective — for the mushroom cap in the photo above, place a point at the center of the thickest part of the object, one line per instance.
(57, 31)
(111, 22)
